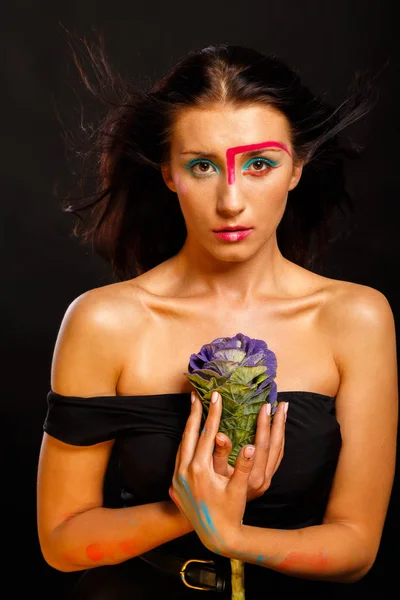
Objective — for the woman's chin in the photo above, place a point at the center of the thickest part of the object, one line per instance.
(233, 255)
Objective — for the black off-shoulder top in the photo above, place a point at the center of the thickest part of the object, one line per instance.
(147, 431)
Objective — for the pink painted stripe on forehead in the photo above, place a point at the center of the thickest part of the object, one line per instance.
(231, 153)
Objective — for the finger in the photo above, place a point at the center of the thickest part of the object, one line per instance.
(206, 442)
(222, 450)
(177, 461)
(282, 448)
(262, 443)
(276, 440)
(280, 455)
(190, 434)
(241, 473)
(172, 496)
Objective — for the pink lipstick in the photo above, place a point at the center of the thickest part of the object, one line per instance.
(233, 235)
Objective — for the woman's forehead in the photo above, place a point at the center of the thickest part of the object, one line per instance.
(216, 129)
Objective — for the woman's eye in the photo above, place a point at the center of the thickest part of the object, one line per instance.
(259, 165)
(201, 168)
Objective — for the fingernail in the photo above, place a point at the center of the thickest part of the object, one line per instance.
(268, 409)
(192, 397)
(221, 439)
(248, 451)
(214, 397)
(286, 410)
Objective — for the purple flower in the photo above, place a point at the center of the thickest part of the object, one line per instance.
(243, 371)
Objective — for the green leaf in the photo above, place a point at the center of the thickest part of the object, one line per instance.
(260, 378)
(241, 405)
(222, 367)
(246, 375)
(219, 379)
(237, 392)
(208, 374)
(199, 382)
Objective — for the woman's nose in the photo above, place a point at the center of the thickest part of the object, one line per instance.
(230, 200)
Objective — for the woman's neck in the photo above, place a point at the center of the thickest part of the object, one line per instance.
(264, 274)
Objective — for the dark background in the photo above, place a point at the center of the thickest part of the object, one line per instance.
(44, 267)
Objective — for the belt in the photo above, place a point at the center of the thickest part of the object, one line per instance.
(195, 573)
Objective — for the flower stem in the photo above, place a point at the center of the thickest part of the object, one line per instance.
(237, 579)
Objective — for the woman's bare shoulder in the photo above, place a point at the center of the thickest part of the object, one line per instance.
(356, 303)
(106, 304)
(89, 349)
(115, 307)
(349, 308)
(338, 292)
(356, 316)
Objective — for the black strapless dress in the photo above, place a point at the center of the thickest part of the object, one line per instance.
(148, 430)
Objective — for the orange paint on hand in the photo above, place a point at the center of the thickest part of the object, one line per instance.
(296, 561)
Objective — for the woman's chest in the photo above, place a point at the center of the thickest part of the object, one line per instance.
(156, 355)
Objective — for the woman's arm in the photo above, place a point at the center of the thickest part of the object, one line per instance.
(344, 547)
(75, 530)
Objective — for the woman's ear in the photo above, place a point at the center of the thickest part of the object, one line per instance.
(166, 174)
(296, 174)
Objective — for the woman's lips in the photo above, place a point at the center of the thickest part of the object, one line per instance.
(233, 236)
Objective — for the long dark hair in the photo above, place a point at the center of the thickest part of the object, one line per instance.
(134, 222)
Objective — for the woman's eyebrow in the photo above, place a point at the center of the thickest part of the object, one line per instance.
(249, 149)
(198, 153)
(213, 155)
(257, 152)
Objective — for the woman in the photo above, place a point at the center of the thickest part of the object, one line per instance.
(215, 190)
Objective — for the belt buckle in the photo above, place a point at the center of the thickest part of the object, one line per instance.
(183, 569)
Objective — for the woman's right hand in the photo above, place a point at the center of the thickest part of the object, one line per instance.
(269, 444)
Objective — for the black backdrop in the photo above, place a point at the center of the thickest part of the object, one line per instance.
(45, 268)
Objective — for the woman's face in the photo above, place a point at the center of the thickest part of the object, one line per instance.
(231, 167)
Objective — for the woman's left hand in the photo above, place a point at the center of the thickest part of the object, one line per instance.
(213, 503)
